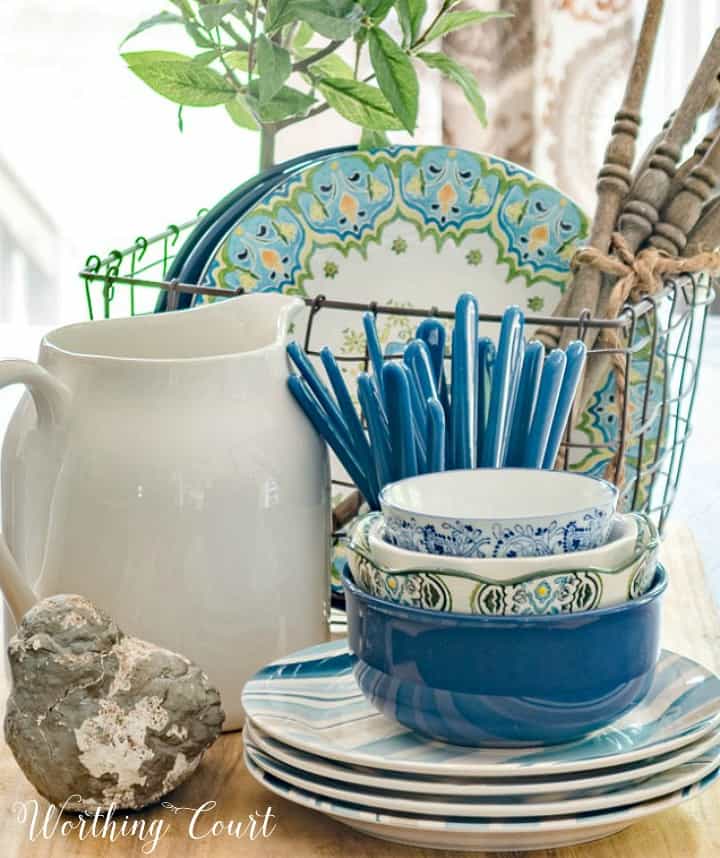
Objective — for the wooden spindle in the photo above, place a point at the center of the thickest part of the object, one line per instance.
(683, 212)
(705, 235)
(614, 178)
(641, 210)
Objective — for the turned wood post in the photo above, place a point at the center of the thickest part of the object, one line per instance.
(614, 178)
(683, 212)
(641, 210)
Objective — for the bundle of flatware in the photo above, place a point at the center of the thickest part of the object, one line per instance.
(504, 404)
(659, 220)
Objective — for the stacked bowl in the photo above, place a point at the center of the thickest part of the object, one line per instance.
(502, 685)
(503, 606)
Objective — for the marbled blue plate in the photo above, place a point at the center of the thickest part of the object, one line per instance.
(310, 700)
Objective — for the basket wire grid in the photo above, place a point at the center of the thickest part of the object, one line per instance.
(675, 317)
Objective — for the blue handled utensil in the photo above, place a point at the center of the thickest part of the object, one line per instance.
(419, 415)
(400, 419)
(322, 425)
(515, 379)
(486, 357)
(547, 399)
(463, 391)
(522, 414)
(377, 429)
(322, 394)
(432, 333)
(575, 361)
(418, 358)
(375, 352)
(436, 435)
(360, 445)
(501, 394)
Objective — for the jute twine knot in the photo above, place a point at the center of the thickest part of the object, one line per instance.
(638, 276)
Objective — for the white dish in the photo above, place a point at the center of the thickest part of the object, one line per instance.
(505, 807)
(563, 784)
(311, 701)
(498, 512)
(512, 585)
(478, 834)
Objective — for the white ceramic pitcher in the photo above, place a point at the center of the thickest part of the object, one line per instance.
(159, 466)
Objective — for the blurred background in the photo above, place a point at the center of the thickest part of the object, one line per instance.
(90, 157)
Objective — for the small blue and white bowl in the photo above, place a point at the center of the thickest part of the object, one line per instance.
(504, 681)
(498, 512)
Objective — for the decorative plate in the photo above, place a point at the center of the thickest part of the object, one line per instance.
(524, 833)
(551, 785)
(503, 807)
(414, 227)
(311, 701)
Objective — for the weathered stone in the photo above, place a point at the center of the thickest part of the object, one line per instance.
(100, 716)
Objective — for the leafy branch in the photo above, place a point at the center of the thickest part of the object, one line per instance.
(274, 63)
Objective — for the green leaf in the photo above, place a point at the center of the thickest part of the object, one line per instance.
(160, 18)
(241, 114)
(212, 14)
(237, 60)
(198, 35)
(463, 77)
(273, 65)
(411, 13)
(359, 103)
(334, 19)
(205, 58)
(378, 9)
(181, 124)
(143, 57)
(370, 139)
(331, 66)
(185, 7)
(396, 77)
(302, 36)
(456, 20)
(178, 79)
(286, 102)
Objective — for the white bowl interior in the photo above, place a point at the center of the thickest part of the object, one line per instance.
(492, 494)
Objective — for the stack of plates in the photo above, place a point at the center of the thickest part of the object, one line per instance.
(312, 738)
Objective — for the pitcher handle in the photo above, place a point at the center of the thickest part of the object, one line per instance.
(50, 396)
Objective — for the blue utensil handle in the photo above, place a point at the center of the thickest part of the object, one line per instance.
(360, 445)
(375, 352)
(486, 357)
(525, 403)
(501, 394)
(319, 419)
(432, 332)
(436, 435)
(575, 361)
(400, 417)
(518, 362)
(418, 359)
(321, 393)
(377, 428)
(419, 415)
(463, 390)
(550, 382)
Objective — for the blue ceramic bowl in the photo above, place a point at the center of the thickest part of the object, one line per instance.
(498, 512)
(504, 681)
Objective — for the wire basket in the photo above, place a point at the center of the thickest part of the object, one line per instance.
(664, 336)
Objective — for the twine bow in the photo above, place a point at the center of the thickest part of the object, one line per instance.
(638, 276)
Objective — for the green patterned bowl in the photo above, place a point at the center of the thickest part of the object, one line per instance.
(498, 591)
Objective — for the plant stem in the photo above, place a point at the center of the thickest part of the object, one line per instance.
(267, 145)
(330, 48)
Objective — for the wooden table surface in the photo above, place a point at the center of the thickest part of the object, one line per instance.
(691, 626)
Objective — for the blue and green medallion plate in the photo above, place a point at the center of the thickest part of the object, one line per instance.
(413, 227)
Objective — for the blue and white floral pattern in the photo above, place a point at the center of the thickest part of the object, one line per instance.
(460, 539)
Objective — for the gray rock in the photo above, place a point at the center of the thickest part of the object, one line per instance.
(98, 715)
